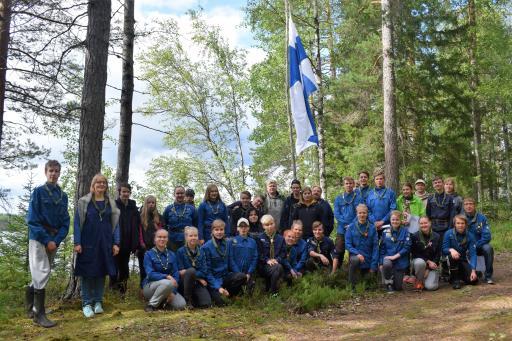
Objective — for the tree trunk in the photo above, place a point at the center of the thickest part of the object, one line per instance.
(5, 27)
(330, 42)
(506, 147)
(93, 107)
(287, 14)
(125, 126)
(388, 87)
(475, 114)
(320, 104)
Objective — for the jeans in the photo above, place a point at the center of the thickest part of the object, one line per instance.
(340, 248)
(391, 275)
(158, 292)
(354, 268)
(92, 290)
(487, 251)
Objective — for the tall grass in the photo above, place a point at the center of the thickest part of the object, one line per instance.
(501, 235)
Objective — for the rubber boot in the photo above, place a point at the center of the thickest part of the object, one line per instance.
(39, 312)
(29, 301)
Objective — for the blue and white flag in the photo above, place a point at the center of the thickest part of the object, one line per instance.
(302, 85)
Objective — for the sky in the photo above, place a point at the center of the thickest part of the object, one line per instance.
(146, 144)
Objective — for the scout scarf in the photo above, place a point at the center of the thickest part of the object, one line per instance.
(464, 240)
(51, 194)
(380, 196)
(423, 241)
(217, 247)
(364, 232)
(177, 213)
(101, 212)
(345, 202)
(193, 256)
(437, 202)
(165, 265)
(272, 251)
(215, 209)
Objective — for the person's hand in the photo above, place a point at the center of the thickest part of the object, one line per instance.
(201, 241)
(473, 276)
(78, 248)
(115, 250)
(455, 255)
(378, 224)
(173, 281)
(374, 270)
(361, 258)
(223, 292)
(272, 262)
(380, 267)
(431, 265)
(248, 277)
(203, 282)
(324, 260)
(51, 246)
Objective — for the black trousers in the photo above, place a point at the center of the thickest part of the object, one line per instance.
(272, 275)
(233, 283)
(193, 291)
(354, 270)
(340, 248)
(142, 271)
(460, 270)
(122, 261)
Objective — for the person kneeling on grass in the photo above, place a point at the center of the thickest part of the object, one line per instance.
(322, 253)
(460, 247)
(243, 254)
(362, 244)
(221, 282)
(426, 252)
(272, 255)
(193, 271)
(162, 276)
(395, 246)
(301, 248)
(291, 256)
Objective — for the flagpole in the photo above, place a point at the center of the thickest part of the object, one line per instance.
(287, 88)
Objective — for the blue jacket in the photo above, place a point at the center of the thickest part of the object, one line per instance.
(324, 247)
(440, 210)
(243, 255)
(207, 212)
(279, 249)
(291, 256)
(479, 228)
(50, 210)
(393, 242)
(345, 210)
(185, 261)
(216, 262)
(177, 217)
(328, 216)
(153, 260)
(380, 202)
(464, 244)
(366, 245)
(362, 193)
(301, 254)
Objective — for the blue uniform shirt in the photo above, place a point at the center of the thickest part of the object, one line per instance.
(345, 210)
(291, 256)
(279, 249)
(243, 255)
(464, 244)
(325, 246)
(192, 259)
(207, 212)
(301, 254)
(176, 217)
(328, 216)
(363, 240)
(393, 242)
(216, 262)
(159, 265)
(362, 193)
(380, 202)
(48, 216)
(479, 228)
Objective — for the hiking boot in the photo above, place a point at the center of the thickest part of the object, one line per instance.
(457, 284)
(29, 301)
(149, 308)
(39, 312)
(390, 289)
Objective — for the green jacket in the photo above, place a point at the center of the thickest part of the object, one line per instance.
(416, 207)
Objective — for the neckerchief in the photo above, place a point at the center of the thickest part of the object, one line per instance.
(380, 196)
(288, 251)
(345, 202)
(217, 207)
(437, 202)
(318, 244)
(51, 194)
(193, 256)
(175, 211)
(364, 232)
(272, 251)
(393, 238)
(166, 266)
(217, 247)
(472, 220)
(407, 204)
(364, 191)
(464, 240)
(426, 243)
(100, 211)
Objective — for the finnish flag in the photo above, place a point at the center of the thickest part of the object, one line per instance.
(302, 85)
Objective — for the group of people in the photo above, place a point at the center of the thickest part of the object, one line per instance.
(193, 257)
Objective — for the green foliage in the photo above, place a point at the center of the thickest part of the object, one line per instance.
(501, 236)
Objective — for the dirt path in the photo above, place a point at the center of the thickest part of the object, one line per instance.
(482, 312)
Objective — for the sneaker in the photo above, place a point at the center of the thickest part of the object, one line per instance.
(418, 286)
(489, 281)
(149, 309)
(456, 285)
(98, 309)
(389, 289)
(87, 310)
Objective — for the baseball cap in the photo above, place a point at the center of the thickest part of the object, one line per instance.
(242, 221)
(420, 181)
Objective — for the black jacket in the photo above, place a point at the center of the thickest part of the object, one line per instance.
(129, 222)
(431, 252)
(308, 215)
(287, 213)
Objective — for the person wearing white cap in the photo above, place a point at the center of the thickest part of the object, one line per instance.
(420, 186)
(243, 253)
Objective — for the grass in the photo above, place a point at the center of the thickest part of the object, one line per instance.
(501, 236)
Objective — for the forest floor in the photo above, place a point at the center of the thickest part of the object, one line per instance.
(482, 312)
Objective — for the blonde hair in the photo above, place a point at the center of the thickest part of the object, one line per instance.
(209, 188)
(97, 178)
(362, 207)
(190, 229)
(144, 214)
(267, 218)
(397, 213)
(218, 222)
(461, 217)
